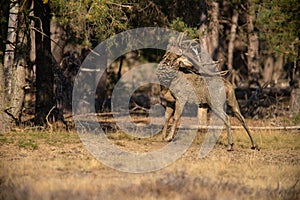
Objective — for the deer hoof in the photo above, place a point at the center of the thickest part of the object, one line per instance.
(230, 147)
(169, 139)
(255, 147)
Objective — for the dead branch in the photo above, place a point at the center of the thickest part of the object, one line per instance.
(41, 32)
(136, 106)
(120, 5)
(47, 118)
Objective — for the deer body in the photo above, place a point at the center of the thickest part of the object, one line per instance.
(175, 104)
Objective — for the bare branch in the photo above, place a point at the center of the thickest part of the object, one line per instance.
(120, 5)
(35, 29)
(47, 118)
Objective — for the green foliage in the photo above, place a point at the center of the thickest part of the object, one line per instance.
(33, 139)
(89, 20)
(28, 144)
(146, 13)
(278, 23)
(5, 139)
(296, 119)
(179, 25)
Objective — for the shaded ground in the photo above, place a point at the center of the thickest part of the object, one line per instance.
(43, 165)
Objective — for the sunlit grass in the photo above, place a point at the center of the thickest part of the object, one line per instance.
(31, 138)
(36, 164)
(266, 139)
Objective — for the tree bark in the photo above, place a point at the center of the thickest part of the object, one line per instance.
(204, 42)
(15, 62)
(202, 116)
(253, 56)
(203, 30)
(294, 99)
(208, 31)
(44, 73)
(8, 61)
(20, 64)
(209, 41)
(214, 30)
(278, 68)
(4, 119)
(234, 75)
(233, 29)
(18, 92)
(58, 42)
(10, 47)
(268, 69)
(293, 71)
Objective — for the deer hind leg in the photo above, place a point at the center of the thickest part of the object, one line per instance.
(229, 134)
(168, 115)
(232, 102)
(224, 117)
(177, 115)
(240, 117)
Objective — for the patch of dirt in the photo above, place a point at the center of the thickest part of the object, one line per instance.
(58, 166)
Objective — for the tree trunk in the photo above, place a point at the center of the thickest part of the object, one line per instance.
(203, 33)
(294, 99)
(18, 92)
(9, 30)
(4, 119)
(268, 69)
(208, 31)
(204, 42)
(44, 73)
(278, 68)
(293, 71)
(15, 62)
(20, 63)
(214, 30)
(234, 21)
(58, 42)
(253, 56)
(234, 74)
(10, 47)
(202, 116)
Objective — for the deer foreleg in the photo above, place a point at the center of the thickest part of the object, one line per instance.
(168, 115)
(177, 115)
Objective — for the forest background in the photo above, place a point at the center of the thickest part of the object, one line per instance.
(43, 44)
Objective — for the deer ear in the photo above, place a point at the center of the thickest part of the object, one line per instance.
(185, 61)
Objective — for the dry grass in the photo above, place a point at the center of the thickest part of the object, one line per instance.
(42, 165)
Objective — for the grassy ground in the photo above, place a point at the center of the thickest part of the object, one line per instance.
(43, 165)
